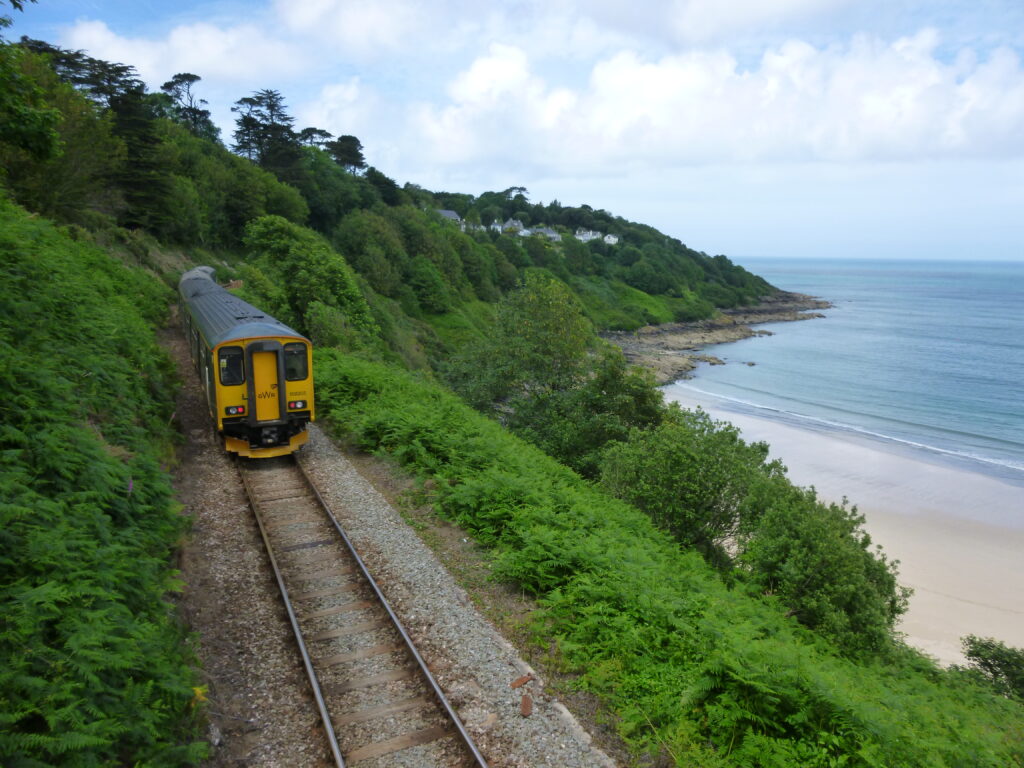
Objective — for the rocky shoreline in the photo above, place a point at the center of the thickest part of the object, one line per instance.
(672, 350)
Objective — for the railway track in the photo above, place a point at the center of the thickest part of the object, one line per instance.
(378, 701)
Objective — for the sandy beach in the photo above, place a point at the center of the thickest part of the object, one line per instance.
(958, 534)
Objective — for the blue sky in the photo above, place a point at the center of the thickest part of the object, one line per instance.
(747, 127)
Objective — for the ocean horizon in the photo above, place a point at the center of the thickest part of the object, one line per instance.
(920, 357)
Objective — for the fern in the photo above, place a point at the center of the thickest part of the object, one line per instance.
(92, 665)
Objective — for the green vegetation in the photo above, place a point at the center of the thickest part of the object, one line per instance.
(700, 673)
(699, 481)
(545, 375)
(93, 664)
(997, 663)
(695, 478)
(725, 616)
(318, 291)
(153, 162)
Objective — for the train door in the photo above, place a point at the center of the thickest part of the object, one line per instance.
(265, 384)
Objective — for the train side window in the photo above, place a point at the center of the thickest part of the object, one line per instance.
(296, 362)
(232, 366)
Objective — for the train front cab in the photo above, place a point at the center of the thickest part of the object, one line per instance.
(264, 395)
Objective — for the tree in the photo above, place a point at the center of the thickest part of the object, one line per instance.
(999, 664)
(188, 108)
(428, 285)
(643, 276)
(374, 248)
(76, 183)
(102, 81)
(26, 121)
(691, 474)
(330, 192)
(314, 137)
(19, 5)
(389, 191)
(817, 560)
(144, 179)
(347, 152)
(576, 424)
(247, 130)
(264, 134)
(538, 344)
(489, 215)
(546, 333)
(578, 259)
(314, 277)
(698, 480)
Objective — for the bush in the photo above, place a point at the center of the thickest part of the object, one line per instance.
(574, 425)
(998, 663)
(817, 559)
(698, 480)
(692, 475)
(310, 273)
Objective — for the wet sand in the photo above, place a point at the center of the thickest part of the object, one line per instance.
(958, 534)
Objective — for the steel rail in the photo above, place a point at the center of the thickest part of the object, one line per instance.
(438, 693)
(307, 662)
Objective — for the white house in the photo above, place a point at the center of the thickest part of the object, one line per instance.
(611, 239)
(586, 235)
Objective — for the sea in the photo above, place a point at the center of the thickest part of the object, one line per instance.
(924, 355)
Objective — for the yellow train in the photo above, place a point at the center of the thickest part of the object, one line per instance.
(257, 372)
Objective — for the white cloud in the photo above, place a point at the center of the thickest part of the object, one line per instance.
(704, 20)
(499, 110)
(865, 100)
(239, 53)
(355, 27)
(341, 108)
(501, 74)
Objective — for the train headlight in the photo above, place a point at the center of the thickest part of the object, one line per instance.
(235, 410)
(296, 405)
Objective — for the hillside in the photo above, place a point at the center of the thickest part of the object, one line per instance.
(150, 163)
(724, 616)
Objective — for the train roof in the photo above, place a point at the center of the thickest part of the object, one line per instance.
(222, 316)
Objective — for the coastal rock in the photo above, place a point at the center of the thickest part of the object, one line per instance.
(665, 349)
(709, 359)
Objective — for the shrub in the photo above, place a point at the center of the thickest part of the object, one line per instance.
(692, 475)
(309, 271)
(998, 663)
